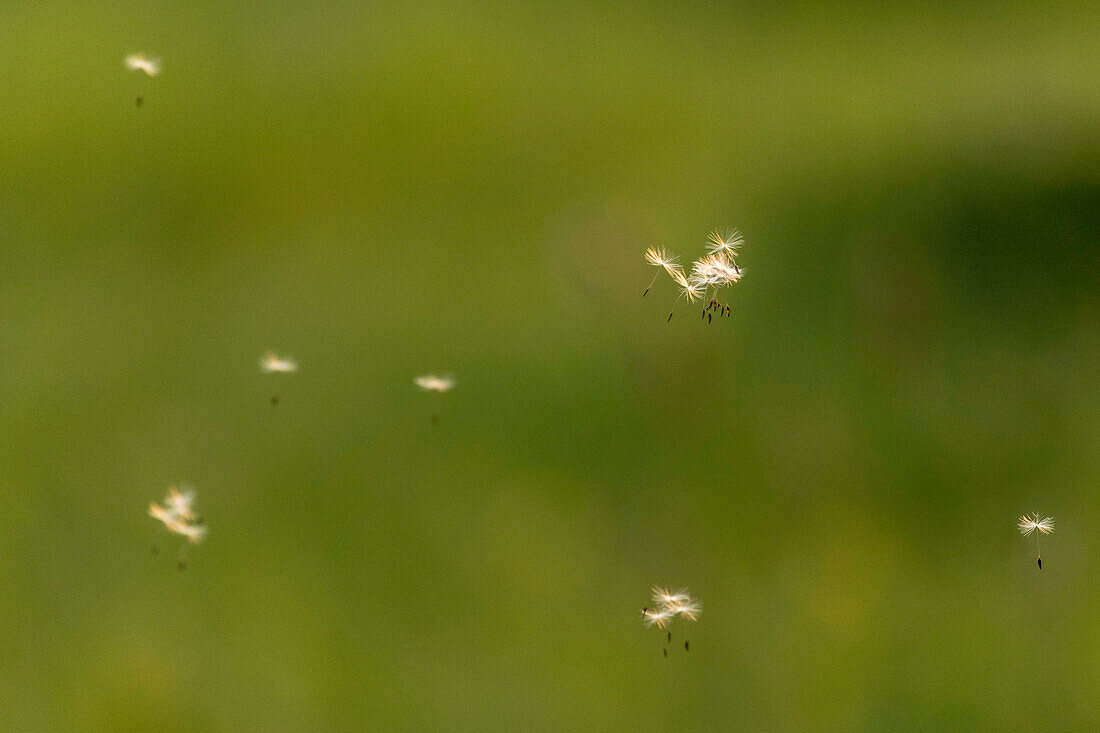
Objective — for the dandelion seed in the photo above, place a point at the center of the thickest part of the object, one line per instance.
(689, 609)
(437, 384)
(663, 598)
(141, 62)
(659, 619)
(272, 364)
(1032, 523)
(725, 244)
(178, 516)
(1029, 524)
(659, 258)
(432, 383)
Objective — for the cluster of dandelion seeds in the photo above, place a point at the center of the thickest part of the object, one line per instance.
(667, 606)
(708, 275)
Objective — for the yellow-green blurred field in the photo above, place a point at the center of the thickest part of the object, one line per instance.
(383, 190)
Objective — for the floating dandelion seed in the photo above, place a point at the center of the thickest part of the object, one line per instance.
(272, 364)
(656, 618)
(664, 598)
(688, 608)
(433, 383)
(1032, 523)
(141, 62)
(437, 384)
(725, 244)
(1029, 524)
(660, 258)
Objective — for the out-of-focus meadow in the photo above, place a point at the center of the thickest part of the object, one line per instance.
(385, 190)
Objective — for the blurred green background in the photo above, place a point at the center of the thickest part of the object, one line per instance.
(388, 189)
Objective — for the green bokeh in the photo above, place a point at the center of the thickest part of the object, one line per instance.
(385, 190)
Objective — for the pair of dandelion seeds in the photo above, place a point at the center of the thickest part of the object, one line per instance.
(271, 363)
(179, 517)
(718, 269)
(668, 606)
